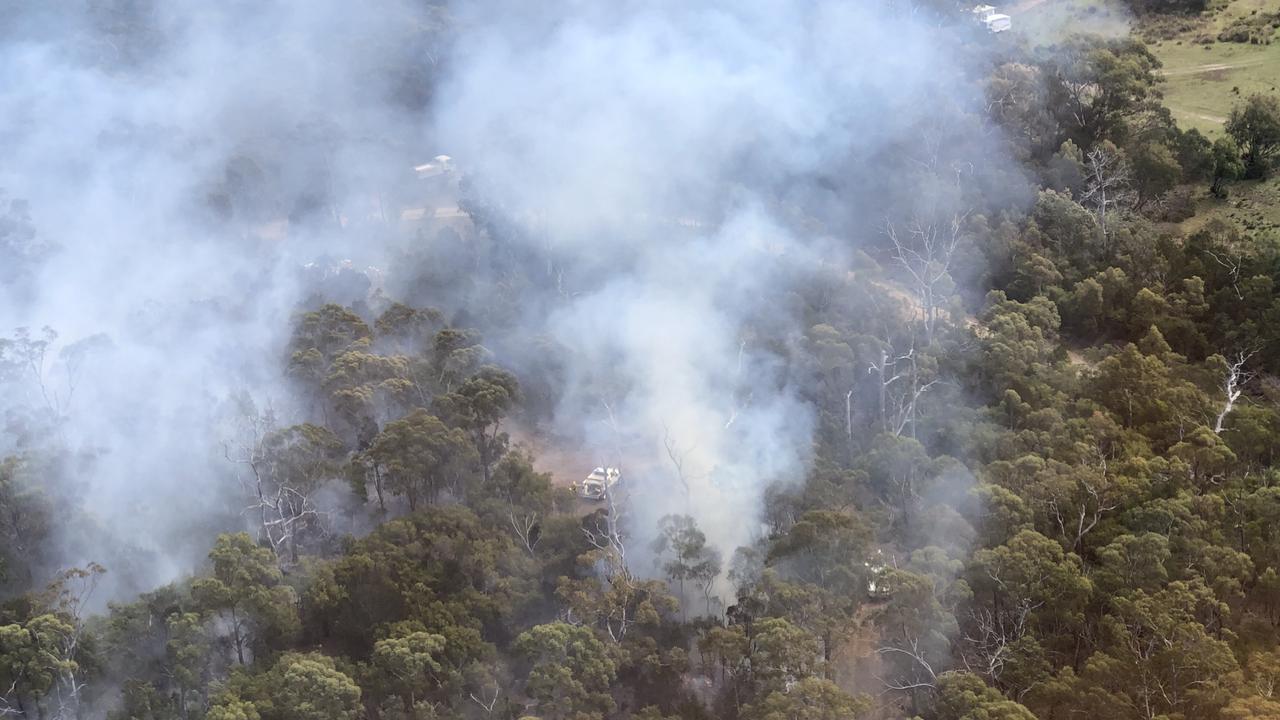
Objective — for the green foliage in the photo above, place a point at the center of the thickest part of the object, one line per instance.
(479, 406)
(409, 663)
(1156, 171)
(570, 671)
(298, 686)
(1256, 128)
(245, 590)
(1159, 655)
(1043, 484)
(1030, 584)
(232, 708)
(782, 653)
(322, 336)
(1133, 562)
(1227, 164)
(25, 517)
(455, 355)
(809, 699)
(420, 457)
(684, 555)
(1099, 87)
(519, 499)
(188, 651)
(407, 329)
(963, 696)
(440, 568)
(1018, 349)
(33, 658)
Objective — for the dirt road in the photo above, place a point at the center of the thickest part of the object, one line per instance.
(1026, 5)
(1206, 68)
(1210, 118)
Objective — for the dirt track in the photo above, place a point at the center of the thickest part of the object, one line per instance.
(565, 464)
(1207, 68)
(1211, 118)
(1026, 5)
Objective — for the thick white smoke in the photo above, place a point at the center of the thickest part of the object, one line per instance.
(679, 160)
(183, 160)
(668, 148)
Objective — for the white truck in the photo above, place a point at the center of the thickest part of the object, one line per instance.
(995, 22)
(877, 576)
(597, 483)
(439, 165)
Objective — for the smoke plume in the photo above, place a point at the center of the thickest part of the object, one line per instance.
(676, 168)
(687, 165)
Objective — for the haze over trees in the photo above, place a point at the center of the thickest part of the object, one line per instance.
(967, 413)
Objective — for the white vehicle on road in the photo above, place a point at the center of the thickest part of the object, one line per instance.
(597, 483)
(995, 22)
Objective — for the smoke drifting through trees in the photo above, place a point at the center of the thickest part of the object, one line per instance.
(677, 170)
(685, 168)
(154, 145)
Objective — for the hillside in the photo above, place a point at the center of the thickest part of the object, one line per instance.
(930, 373)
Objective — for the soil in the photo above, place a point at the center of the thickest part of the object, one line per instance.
(1207, 68)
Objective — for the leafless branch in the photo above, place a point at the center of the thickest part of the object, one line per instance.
(1232, 387)
(489, 704)
(1109, 185)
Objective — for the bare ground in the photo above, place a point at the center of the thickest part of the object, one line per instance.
(1207, 68)
(565, 461)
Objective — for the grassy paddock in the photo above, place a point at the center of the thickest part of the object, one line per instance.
(1205, 78)
(1203, 82)
(1252, 206)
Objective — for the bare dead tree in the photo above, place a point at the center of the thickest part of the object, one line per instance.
(1233, 387)
(1086, 516)
(924, 675)
(1264, 684)
(1078, 515)
(900, 389)
(282, 509)
(30, 353)
(11, 707)
(70, 595)
(619, 583)
(487, 704)
(1109, 185)
(525, 525)
(615, 509)
(605, 534)
(738, 402)
(74, 357)
(925, 249)
(616, 602)
(1233, 266)
(848, 414)
(609, 537)
(677, 458)
(989, 636)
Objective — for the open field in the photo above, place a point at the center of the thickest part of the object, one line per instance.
(1253, 206)
(1205, 78)
(1203, 82)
